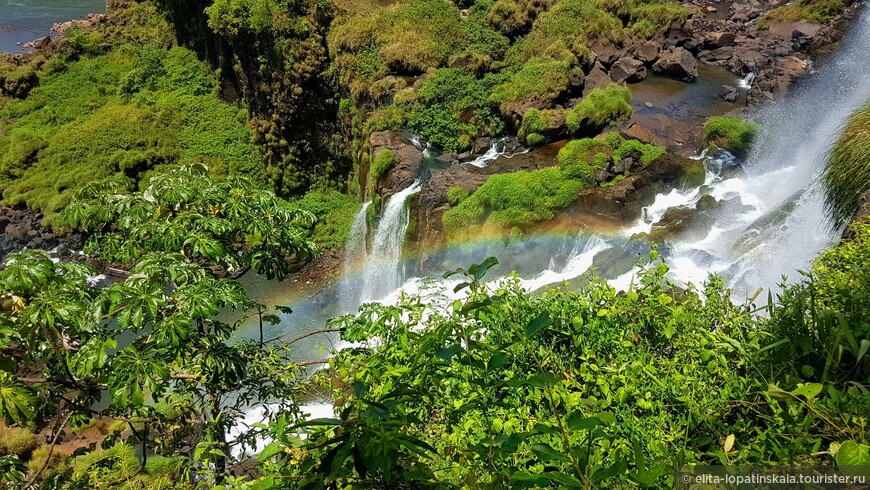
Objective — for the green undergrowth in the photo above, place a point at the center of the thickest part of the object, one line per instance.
(847, 173)
(335, 211)
(597, 387)
(818, 11)
(455, 77)
(602, 108)
(129, 112)
(520, 199)
(731, 133)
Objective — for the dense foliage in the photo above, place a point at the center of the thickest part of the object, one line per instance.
(150, 352)
(595, 387)
(847, 174)
(116, 107)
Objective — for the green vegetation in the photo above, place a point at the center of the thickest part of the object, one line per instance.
(730, 133)
(451, 109)
(520, 199)
(601, 108)
(333, 213)
(382, 164)
(847, 174)
(596, 387)
(455, 195)
(230, 224)
(17, 441)
(539, 83)
(818, 11)
(124, 114)
(153, 343)
(515, 199)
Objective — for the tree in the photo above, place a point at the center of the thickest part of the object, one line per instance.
(230, 224)
(152, 349)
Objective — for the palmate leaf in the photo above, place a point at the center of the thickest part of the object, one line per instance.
(17, 403)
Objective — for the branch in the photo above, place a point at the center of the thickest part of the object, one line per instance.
(58, 430)
(309, 334)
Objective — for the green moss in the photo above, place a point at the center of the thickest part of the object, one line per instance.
(17, 441)
(535, 82)
(693, 176)
(455, 195)
(382, 164)
(124, 113)
(730, 133)
(646, 153)
(847, 173)
(513, 200)
(335, 213)
(602, 107)
(612, 183)
(818, 11)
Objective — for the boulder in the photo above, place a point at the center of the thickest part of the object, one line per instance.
(677, 63)
(627, 70)
(17, 230)
(607, 54)
(597, 77)
(715, 40)
(642, 134)
(648, 52)
(408, 161)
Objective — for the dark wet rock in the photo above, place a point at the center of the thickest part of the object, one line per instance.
(706, 202)
(22, 229)
(647, 51)
(481, 146)
(601, 176)
(628, 70)
(408, 161)
(607, 54)
(682, 221)
(731, 97)
(677, 63)
(597, 77)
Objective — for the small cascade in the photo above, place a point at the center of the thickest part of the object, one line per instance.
(355, 250)
(746, 82)
(579, 261)
(384, 271)
(496, 150)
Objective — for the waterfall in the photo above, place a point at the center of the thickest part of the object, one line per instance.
(384, 271)
(772, 219)
(355, 250)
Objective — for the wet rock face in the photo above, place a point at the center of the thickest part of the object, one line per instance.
(22, 229)
(408, 161)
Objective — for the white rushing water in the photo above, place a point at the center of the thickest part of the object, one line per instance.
(498, 149)
(355, 250)
(384, 270)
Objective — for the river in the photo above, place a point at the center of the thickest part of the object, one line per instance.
(25, 20)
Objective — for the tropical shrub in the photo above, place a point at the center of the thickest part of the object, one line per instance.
(451, 109)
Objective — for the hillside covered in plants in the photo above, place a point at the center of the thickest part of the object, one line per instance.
(477, 244)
